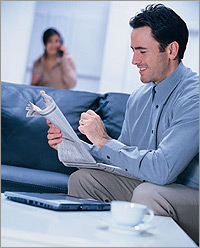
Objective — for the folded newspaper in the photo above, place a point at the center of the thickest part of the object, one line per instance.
(71, 151)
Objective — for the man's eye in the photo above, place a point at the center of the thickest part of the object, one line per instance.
(142, 52)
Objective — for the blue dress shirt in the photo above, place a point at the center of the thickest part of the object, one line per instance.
(159, 141)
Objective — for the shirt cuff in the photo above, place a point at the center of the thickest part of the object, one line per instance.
(87, 145)
(110, 149)
(95, 151)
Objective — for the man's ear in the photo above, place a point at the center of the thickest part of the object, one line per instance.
(173, 49)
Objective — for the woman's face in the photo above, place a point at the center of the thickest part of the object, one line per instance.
(53, 44)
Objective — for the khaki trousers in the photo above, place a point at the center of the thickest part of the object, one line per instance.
(174, 200)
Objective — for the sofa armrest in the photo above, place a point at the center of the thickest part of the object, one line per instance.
(14, 178)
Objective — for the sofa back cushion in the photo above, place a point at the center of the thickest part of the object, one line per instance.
(24, 142)
(114, 112)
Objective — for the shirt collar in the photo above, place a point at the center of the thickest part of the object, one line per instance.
(164, 88)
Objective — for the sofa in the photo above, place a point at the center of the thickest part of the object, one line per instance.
(28, 163)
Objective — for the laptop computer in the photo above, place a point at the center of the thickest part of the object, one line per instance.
(57, 201)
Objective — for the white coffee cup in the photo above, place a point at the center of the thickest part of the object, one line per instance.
(131, 214)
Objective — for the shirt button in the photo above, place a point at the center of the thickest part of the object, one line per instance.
(152, 131)
(108, 157)
(156, 106)
(126, 170)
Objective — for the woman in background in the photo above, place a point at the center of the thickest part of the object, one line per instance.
(55, 68)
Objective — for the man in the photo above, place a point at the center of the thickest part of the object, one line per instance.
(159, 141)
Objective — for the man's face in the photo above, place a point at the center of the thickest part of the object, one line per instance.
(153, 65)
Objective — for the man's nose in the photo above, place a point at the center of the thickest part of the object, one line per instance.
(136, 59)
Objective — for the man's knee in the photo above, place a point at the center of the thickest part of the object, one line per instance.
(151, 195)
(163, 200)
(74, 178)
(78, 180)
(145, 193)
(175, 200)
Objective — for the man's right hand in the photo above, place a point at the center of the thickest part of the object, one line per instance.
(54, 135)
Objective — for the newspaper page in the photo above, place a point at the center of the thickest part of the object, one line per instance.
(71, 151)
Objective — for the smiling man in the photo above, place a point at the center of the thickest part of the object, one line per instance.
(154, 64)
(159, 141)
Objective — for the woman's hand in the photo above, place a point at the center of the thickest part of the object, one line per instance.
(64, 49)
(54, 136)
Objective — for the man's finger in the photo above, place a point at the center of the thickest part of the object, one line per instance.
(81, 122)
(81, 130)
(49, 123)
(91, 112)
(54, 130)
(54, 146)
(85, 116)
(53, 136)
(54, 142)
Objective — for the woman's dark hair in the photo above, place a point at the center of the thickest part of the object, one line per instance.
(48, 33)
(166, 26)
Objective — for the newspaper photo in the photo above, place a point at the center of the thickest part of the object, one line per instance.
(71, 151)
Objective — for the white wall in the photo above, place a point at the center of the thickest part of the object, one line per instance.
(82, 25)
(118, 74)
(16, 27)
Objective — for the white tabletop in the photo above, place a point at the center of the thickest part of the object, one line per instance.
(26, 226)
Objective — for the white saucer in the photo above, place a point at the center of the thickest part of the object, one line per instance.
(113, 226)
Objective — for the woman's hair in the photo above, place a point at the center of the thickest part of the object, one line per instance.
(48, 33)
(166, 26)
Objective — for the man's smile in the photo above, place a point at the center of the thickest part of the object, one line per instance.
(142, 69)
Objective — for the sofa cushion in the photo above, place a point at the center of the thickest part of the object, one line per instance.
(114, 112)
(14, 178)
(24, 142)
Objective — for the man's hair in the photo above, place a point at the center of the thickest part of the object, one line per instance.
(166, 26)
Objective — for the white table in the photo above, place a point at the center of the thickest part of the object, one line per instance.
(27, 226)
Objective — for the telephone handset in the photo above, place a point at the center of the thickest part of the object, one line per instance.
(60, 52)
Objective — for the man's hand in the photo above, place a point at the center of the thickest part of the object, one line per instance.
(93, 127)
(54, 136)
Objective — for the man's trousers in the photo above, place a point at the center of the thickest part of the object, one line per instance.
(175, 200)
